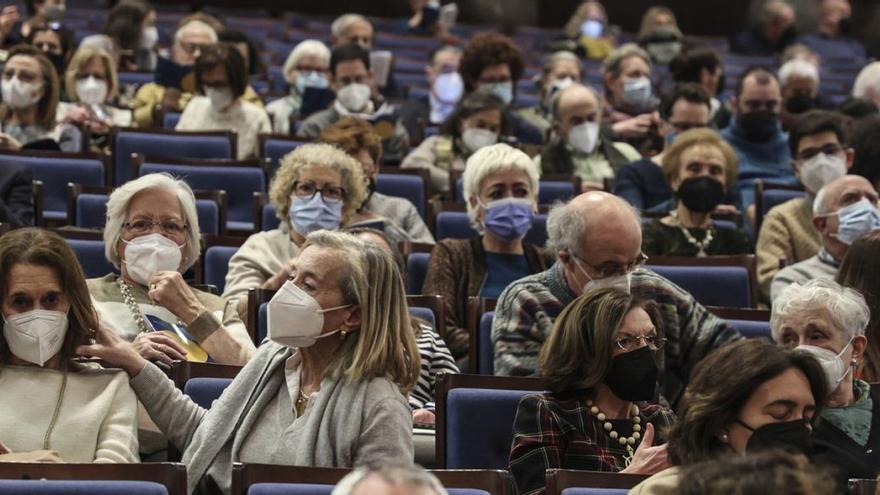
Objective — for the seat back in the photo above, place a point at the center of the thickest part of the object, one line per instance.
(769, 194)
(416, 270)
(262, 323)
(315, 489)
(453, 225)
(80, 487)
(268, 218)
(90, 253)
(170, 120)
(571, 482)
(551, 191)
(90, 478)
(217, 265)
(752, 329)
(410, 187)
(91, 213)
(711, 285)
(204, 145)
(204, 391)
(274, 148)
(486, 352)
(426, 314)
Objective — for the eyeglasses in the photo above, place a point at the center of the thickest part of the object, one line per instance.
(145, 226)
(612, 269)
(629, 344)
(330, 194)
(828, 149)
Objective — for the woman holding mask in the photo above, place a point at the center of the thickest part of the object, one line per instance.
(306, 67)
(597, 417)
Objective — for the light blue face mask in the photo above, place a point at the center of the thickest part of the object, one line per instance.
(311, 79)
(592, 28)
(637, 92)
(503, 90)
(857, 220)
(310, 214)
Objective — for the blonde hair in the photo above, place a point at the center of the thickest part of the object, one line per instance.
(491, 160)
(700, 137)
(82, 57)
(573, 26)
(385, 345)
(354, 182)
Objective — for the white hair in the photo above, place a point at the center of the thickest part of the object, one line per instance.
(847, 307)
(819, 206)
(867, 83)
(798, 68)
(412, 477)
(306, 48)
(195, 25)
(491, 160)
(117, 213)
(343, 22)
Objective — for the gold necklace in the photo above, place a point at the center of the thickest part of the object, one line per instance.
(56, 413)
(627, 442)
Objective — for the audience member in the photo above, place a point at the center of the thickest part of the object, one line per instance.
(799, 85)
(866, 150)
(16, 195)
(867, 83)
(843, 211)
(446, 90)
(632, 106)
(47, 314)
(306, 67)
(757, 136)
(854, 110)
(500, 187)
(248, 50)
(388, 480)
(588, 32)
(397, 217)
(744, 398)
(832, 37)
(577, 146)
(818, 147)
(774, 32)
(828, 321)
(352, 28)
(659, 34)
(357, 96)
(326, 390)
(480, 120)
(600, 365)
(799, 51)
(425, 20)
(561, 70)
(597, 238)
(642, 183)
(221, 79)
(316, 187)
(859, 271)
(701, 64)
(492, 63)
(701, 170)
(39, 13)
(56, 43)
(129, 35)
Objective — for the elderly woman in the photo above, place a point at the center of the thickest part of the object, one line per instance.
(590, 31)
(55, 41)
(152, 237)
(501, 190)
(221, 77)
(600, 365)
(326, 390)
(701, 169)
(50, 402)
(560, 70)
(317, 186)
(744, 397)
(659, 34)
(397, 217)
(30, 91)
(478, 121)
(632, 105)
(828, 322)
(858, 270)
(307, 66)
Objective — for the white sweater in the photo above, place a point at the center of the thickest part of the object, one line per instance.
(97, 420)
(245, 119)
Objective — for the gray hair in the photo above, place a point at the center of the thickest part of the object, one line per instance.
(614, 62)
(847, 308)
(867, 84)
(554, 102)
(413, 477)
(491, 160)
(195, 25)
(117, 213)
(566, 227)
(304, 49)
(798, 68)
(560, 56)
(819, 206)
(342, 23)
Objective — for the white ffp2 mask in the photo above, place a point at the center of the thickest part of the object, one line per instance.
(35, 336)
(149, 254)
(295, 318)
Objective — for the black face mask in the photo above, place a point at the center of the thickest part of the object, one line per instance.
(57, 61)
(759, 126)
(700, 194)
(799, 103)
(791, 435)
(633, 375)
(844, 26)
(788, 36)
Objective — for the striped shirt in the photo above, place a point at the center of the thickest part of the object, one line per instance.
(822, 266)
(436, 359)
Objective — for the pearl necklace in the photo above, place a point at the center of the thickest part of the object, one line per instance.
(627, 442)
(701, 245)
(133, 307)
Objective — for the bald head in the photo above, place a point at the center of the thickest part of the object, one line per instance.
(596, 223)
(575, 105)
(843, 192)
(376, 485)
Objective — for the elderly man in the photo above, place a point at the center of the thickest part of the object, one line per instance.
(820, 155)
(597, 238)
(446, 86)
(577, 146)
(832, 38)
(774, 32)
(843, 211)
(799, 84)
(352, 28)
(389, 481)
(867, 84)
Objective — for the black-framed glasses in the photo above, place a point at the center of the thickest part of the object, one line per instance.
(307, 190)
(612, 269)
(631, 343)
(144, 226)
(828, 149)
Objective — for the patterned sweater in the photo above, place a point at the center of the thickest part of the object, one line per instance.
(527, 309)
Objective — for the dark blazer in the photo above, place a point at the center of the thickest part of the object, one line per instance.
(835, 448)
(16, 195)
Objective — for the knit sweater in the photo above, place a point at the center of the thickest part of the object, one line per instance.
(786, 233)
(822, 266)
(770, 160)
(527, 309)
(427, 155)
(243, 118)
(345, 424)
(260, 257)
(96, 422)
(403, 214)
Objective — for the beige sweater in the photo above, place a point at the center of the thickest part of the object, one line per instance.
(425, 156)
(97, 419)
(786, 232)
(260, 257)
(245, 119)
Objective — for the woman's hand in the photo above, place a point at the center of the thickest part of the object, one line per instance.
(648, 459)
(4, 449)
(423, 417)
(169, 290)
(157, 346)
(277, 280)
(635, 127)
(9, 16)
(77, 115)
(111, 348)
(8, 142)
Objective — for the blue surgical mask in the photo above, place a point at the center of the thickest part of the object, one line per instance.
(503, 90)
(508, 219)
(637, 92)
(670, 138)
(591, 28)
(311, 79)
(310, 214)
(857, 220)
(448, 87)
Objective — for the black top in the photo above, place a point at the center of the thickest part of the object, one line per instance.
(753, 42)
(659, 239)
(16, 195)
(835, 448)
(642, 184)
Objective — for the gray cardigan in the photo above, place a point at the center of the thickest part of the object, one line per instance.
(346, 424)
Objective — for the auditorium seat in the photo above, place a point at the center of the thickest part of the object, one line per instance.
(170, 120)
(573, 482)
(485, 364)
(728, 281)
(274, 147)
(216, 260)
(204, 391)
(750, 323)
(164, 478)
(412, 187)
(416, 270)
(90, 253)
(80, 487)
(203, 145)
(770, 194)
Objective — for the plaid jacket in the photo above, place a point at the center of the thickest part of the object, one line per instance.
(528, 307)
(551, 432)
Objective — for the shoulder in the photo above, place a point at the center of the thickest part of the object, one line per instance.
(533, 287)
(109, 378)
(380, 392)
(268, 240)
(197, 105)
(101, 288)
(251, 110)
(627, 150)
(459, 246)
(392, 202)
(665, 481)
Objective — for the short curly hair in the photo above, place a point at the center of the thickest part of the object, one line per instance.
(354, 182)
(486, 50)
(352, 135)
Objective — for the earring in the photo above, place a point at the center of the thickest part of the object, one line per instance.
(724, 437)
(342, 334)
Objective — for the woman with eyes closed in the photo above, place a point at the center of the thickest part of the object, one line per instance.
(317, 186)
(600, 366)
(701, 168)
(501, 189)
